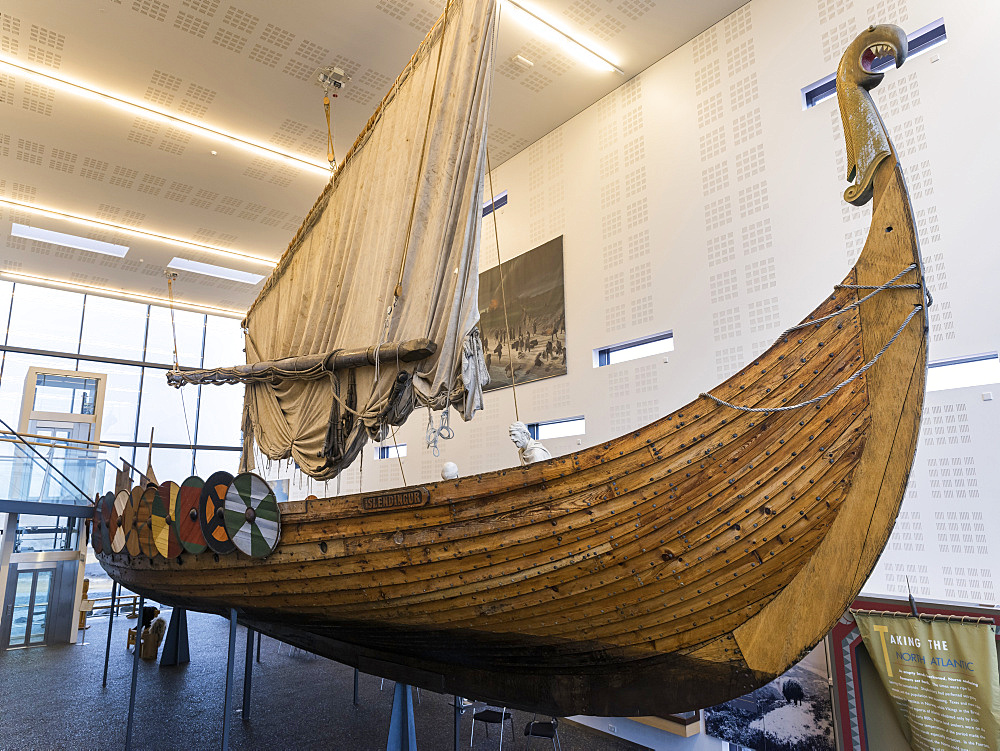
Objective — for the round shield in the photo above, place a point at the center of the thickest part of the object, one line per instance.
(252, 518)
(165, 538)
(210, 511)
(128, 523)
(186, 515)
(115, 525)
(96, 535)
(143, 519)
(107, 507)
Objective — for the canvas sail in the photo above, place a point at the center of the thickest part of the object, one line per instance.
(404, 207)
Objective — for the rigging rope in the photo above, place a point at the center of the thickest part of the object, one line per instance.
(329, 132)
(831, 392)
(177, 366)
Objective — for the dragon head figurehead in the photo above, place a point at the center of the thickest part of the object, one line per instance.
(867, 140)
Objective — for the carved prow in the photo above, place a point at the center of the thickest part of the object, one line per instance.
(867, 140)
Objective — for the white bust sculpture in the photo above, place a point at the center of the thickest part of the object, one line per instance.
(528, 448)
(449, 471)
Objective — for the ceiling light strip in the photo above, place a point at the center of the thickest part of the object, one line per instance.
(172, 119)
(566, 36)
(87, 221)
(121, 294)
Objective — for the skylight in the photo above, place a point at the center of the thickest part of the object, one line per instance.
(219, 272)
(67, 241)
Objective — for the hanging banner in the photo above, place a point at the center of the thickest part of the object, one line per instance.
(941, 675)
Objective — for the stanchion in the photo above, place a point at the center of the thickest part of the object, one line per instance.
(402, 733)
(135, 675)
(258, 646)
(458, 720)
(247, 675)
(228, 702)
(111, 622)
(355, 687)
(175, 646)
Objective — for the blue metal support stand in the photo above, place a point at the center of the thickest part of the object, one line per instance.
(247, 674)
(111, 622)
(135, 675)
(228, 702)
(355, 687)
(175, 645)
(402, 733)
(459, 710)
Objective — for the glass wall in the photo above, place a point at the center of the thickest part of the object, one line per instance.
(133, 344)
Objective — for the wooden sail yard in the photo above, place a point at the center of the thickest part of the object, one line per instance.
(678, 566)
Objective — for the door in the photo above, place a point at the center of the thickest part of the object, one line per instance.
(29, 624)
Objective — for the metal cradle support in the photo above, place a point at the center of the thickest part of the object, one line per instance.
(175, 646)
(135, 675)
(402, 733)
(459, 710)
(248, 674)
(228, 702)
(111, 622)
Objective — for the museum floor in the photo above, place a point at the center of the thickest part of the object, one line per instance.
(51, 698)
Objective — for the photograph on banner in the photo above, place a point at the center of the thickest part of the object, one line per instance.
(523, 322)
(791, 713)
(941, 675)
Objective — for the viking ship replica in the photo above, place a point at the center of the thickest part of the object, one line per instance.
(672, 568)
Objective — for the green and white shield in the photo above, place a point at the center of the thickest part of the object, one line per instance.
(251, 515)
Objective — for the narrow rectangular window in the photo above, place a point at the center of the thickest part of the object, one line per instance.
(918, 42)
(961, 372)
(568, 426)
(390, 451)
(647, 346)
(497, 203)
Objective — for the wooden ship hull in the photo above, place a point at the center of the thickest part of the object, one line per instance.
(676, 567)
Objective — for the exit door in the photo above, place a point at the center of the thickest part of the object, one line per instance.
(29, 621)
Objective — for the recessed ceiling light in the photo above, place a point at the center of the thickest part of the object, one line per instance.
(145, 110)
(208, 269)
(121, 294)
(550, 32)
(67, 241)
(133, 232)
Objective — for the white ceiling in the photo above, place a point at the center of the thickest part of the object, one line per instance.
(249, 68)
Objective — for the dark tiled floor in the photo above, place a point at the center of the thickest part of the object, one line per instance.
(51, 698)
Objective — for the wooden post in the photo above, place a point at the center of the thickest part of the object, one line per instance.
(135, 675)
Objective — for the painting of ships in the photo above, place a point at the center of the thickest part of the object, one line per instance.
(672, 568)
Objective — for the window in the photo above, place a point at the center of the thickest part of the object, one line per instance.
(569, 426)
(919, 41)
(497, 203)
(960, 372)
(634, 349)
(390, 451)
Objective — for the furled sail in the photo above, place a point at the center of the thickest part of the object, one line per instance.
(389, 253)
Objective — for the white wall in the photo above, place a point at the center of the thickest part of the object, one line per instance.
(700, 197)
